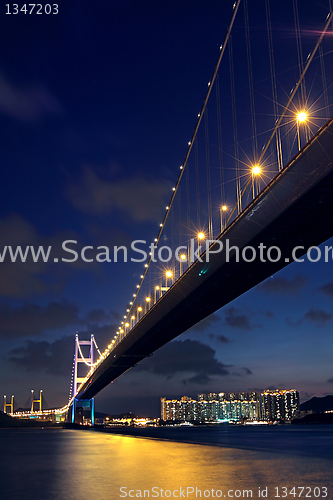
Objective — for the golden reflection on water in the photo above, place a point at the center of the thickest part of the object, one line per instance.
(97, 465)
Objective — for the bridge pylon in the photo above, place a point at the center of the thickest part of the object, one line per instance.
(8, 405)
(79, 404)
(34, 401)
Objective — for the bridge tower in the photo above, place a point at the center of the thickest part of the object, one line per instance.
(79, 358)
(8, 405)
(38, 401)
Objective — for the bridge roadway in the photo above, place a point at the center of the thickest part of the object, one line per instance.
(295, 209)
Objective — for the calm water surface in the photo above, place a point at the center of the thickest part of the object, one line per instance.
(81, 465)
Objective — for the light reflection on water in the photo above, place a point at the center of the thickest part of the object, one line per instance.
(80, 465)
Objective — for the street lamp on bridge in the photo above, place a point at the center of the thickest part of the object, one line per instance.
(256, 171)
(157, 292)
(224, 209)
(168, 275)
(302, 117)
(183, 259)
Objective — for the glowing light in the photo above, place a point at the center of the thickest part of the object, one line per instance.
(256, 170)
(201, 236)
(302, 117)
(224, 208)
(168, 274)
(139, 309)
(127, 325)
(183, 256)
(147, 299)
(157, 287)
(167, 208)
(132, 317)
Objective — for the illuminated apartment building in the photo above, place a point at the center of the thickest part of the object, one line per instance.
(278, 405)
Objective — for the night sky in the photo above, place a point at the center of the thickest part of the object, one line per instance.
(97, 105)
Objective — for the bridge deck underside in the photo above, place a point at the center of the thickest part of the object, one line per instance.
(295, 209)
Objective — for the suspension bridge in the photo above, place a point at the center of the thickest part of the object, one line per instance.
(253, 194)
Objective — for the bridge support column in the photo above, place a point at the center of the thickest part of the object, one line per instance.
(79, 405)
(78, 410)
(8, 405)
(38, 401)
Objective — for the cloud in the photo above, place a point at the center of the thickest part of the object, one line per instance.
(96, 315)
(201, 379)
(184, 356)
(247, 371)
(220, 338)
(55, 358)
(205, 323)
(242, 372)
(327, 289)
(30, 279)
(235, 319)
(29, 104)
(282, 285)
(33, 319)
(290, 322)
(330, 380)
(20, 279)
(177, 356)
(138, 198)
(318, 316)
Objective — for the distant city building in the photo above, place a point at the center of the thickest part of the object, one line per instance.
(184, 410)
(278, 405)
